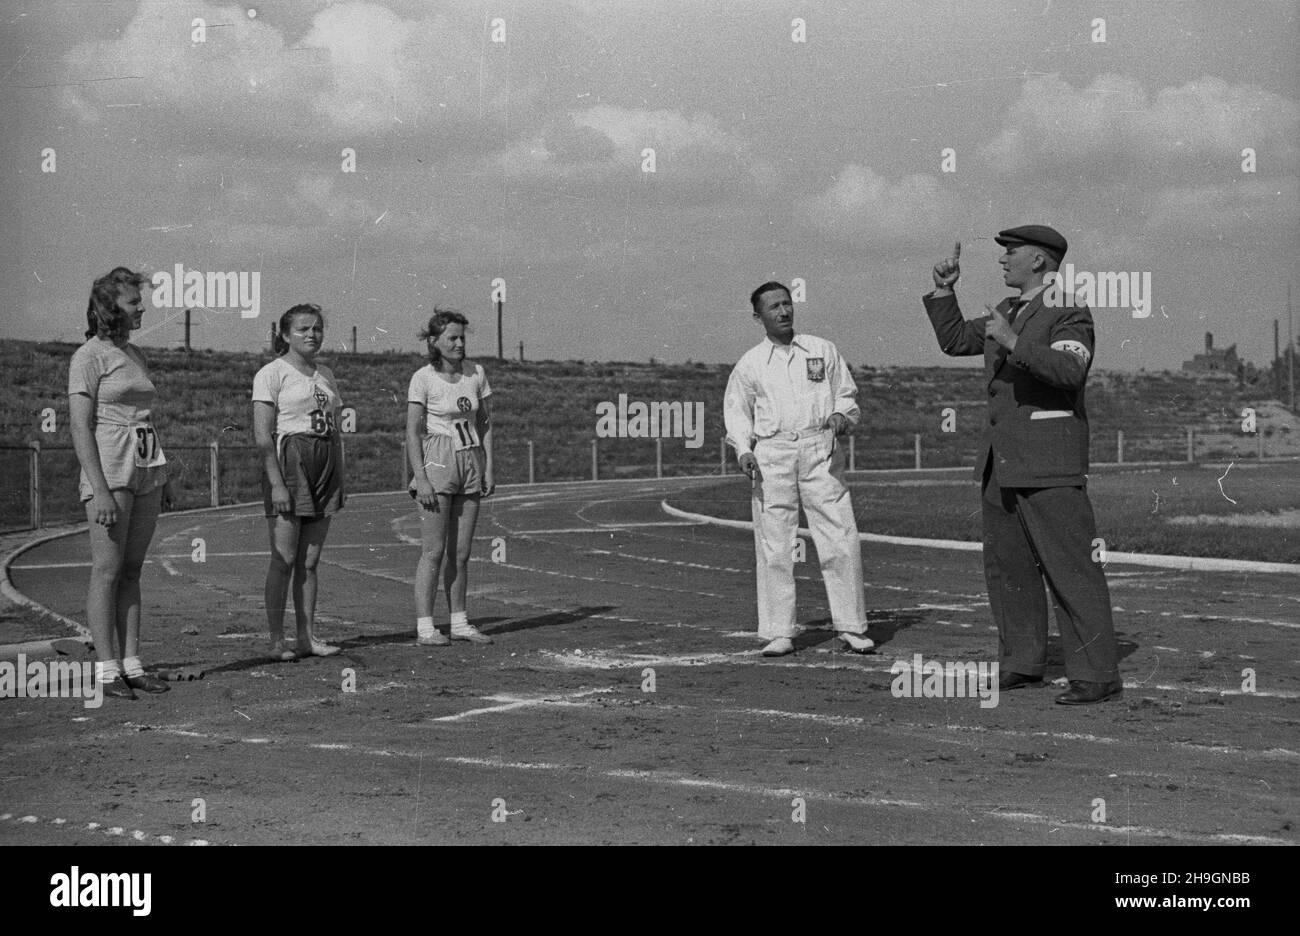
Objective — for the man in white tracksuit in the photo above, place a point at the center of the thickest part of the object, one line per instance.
(786, 402)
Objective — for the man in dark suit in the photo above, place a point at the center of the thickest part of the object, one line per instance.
(1033, 464)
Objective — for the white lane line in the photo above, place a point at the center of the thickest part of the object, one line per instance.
(668, 778)
(1208, 618)
(928, 729)
(512, 702)
(188, 556)
(509, 532)
(602, 660)
(607, 528)
(674, 562)
(639, 586)
(1180, 563)
(406, 537)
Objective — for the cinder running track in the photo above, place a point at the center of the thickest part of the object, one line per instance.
(601, 595)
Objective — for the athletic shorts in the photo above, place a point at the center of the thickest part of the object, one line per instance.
(125, 468)
(451, 471)
(311, 473)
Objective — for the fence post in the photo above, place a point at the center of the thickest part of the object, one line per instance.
(853, 453)
(34, 482)
(595, 474)
(1119, 446)
(659, 458)
(722, 456)
(531, 475)
(401, 478)
(1191, 445)
(917, 438)
(213, 469)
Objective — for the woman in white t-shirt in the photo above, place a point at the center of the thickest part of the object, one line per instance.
(295, 420)
(449, 446)
(123, 475)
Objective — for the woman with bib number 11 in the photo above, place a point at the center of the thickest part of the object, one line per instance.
(449, 447)
(123, 475)
(295, 417)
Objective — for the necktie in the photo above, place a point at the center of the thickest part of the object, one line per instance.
(1016, 306)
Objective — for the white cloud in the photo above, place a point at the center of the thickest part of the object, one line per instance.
(862, 205)
(1115, 121)
(362, 67)
(603, 146)
(668, 132)
(1251, 210)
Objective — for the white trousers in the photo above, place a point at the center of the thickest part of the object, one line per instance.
(810, 469)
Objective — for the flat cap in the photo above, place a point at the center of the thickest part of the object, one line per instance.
(1037, 235)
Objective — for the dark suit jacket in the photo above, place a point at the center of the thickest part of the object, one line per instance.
(1038, 426)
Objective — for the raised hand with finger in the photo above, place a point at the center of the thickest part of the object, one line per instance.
(947, 271)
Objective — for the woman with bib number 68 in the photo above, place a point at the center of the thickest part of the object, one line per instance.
(123, 475)
(295, 417)
(449, 447)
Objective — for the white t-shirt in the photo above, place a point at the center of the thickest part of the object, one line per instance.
(117, 379)
(303, 405)
(450, 409)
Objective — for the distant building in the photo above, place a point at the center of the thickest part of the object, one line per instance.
(1214, 360)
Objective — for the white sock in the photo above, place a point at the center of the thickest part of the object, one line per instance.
(107, 670)
(131, 667)
(424, 626)
(459, 620)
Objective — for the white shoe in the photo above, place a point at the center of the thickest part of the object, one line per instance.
(779, 647)
(469, 632)
(858, 643)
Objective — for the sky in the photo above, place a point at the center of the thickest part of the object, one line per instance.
(383, 158)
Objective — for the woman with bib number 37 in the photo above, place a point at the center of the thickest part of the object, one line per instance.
(449, 447)
(123, 475)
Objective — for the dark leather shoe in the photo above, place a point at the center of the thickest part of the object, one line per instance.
(117, 688)
(1010, 680)
(147, 683)
(1085, 693)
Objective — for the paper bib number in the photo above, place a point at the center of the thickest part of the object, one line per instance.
(465, 435)
(322, 423)
(148, 453)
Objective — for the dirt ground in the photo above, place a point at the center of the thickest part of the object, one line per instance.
(552, 735)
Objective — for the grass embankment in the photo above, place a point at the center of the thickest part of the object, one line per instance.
(205, 396)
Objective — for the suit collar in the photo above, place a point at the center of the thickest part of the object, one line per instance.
(1027, 311)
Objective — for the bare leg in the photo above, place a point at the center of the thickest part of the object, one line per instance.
(283, 532)
(107, 553)
(464, 517)
(433, 540)
(142, 520)
(310, 542)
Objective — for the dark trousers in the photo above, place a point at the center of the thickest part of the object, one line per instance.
(1032, 534)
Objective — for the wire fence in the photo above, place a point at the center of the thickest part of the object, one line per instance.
(42, 480)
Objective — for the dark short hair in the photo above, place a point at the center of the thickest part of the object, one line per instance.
(279, 344)
(766, 288)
